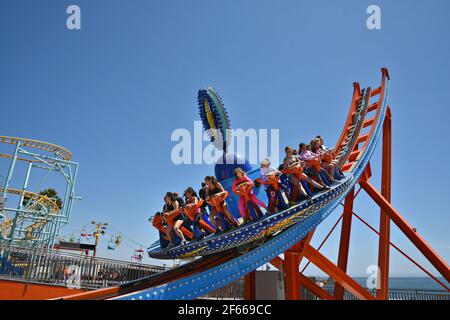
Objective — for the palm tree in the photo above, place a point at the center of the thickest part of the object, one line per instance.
(49, 193)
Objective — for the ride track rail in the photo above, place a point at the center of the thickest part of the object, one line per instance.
(215, 270)
(40, 218)
(36, 144)
(39, 199)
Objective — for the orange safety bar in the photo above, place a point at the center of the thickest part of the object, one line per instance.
(244, 189)
(170, 218)
(157, 223)
(190, 212)
(297, 171)
(272, 181)
(216, 200)
(316, 164)
(328, 157)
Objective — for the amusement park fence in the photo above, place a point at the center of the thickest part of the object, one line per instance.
(235, 290)
(394, 294)
(53, 267)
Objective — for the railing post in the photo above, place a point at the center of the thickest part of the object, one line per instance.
(6, 186)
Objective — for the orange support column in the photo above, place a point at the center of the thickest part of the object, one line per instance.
(383, 243)
(345, 241)
(291, 281)
(292, 258)
(250, 286)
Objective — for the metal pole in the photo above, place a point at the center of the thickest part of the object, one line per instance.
(11, 169)
(72, 190)
(25, 185)
(7, 183)
(20, 204)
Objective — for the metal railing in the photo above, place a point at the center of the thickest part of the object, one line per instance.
(53, 267)
(235, 290)
(393, 294)
(58, 268)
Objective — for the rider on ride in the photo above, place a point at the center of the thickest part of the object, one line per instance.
(243, 186)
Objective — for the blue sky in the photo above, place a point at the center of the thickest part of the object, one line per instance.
(114, 91)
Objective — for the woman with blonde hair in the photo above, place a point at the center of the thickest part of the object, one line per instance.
(243, 186)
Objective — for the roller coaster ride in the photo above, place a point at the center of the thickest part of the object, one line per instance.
(30, 219)
(223, 258)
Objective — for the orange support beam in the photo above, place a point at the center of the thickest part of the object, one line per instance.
(337, 274)
(368, 122)
(375, 92)
(277, 262)
(383, 243)
(314, 288)
(354, 155)
(345, 240)
(346, 166)
(362, 138)
(372, 107)
(408, 230)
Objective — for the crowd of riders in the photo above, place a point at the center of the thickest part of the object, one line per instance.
(311, 168)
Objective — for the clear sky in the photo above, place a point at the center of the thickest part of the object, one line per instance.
(114, 91)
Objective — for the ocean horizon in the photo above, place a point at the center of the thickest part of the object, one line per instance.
(406, 282)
